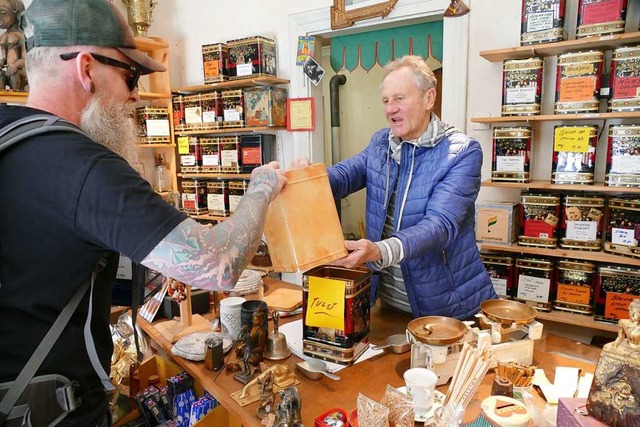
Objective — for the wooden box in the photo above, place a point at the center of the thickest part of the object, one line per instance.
(497, 222)
(265, 106)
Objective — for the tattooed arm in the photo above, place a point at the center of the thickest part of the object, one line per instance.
(213, 257)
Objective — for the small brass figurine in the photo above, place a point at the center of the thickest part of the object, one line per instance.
(288, 412)
(247, 371)
(258, 336)
(12, 46)
(266, 395)
(629, 329)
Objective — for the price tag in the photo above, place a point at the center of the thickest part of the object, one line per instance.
(533, 288)
(183, 145)
(623, 236)
(571, 139)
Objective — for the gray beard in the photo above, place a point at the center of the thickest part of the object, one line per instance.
(109, 124)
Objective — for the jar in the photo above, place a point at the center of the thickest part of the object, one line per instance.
(521, 86)
(578, 81)
(623, 229)
(229, 154)
(214, 62)
(233, 105)
(617, 286)
(211, 110)
(574, 154)
(542, 21)
(582, 222)
(511, 154)
(236, 191)
(162, 178)
(210, 151)
(217, 198)
(190, 162)
(500, 269)
(194, 196)
(193, 111)
(539, 218)
(623, 156)
(575, 285)
(534, 280)
(625, 79)
(600, 17)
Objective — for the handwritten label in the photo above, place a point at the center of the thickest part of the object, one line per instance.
(539, 21)
(521, 95)
(577, 89)
(585, 231)
(325, 303)
(210, 160)
(183, 145)
(626, 87)
(616, 305)
(622, 236)
(124, 268)
(574, 294)
(231, 115)
(212, 68)
(499, 285)
(215, 202)
(244, 69)
(601, 11)
(157, 127)
(625, 164)
(193, 115)
(571, 139)
(533, 288)
(578, 70)
(509, 163)
(187, 160)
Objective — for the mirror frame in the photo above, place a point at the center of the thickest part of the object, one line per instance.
(342, 18)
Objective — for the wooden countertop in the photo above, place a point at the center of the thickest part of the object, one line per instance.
(369, 377)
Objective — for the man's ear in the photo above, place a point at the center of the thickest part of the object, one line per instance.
(430, 98)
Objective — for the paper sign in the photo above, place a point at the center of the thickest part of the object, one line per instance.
(616, 305)
(626, 87)
(325, 303)
(577, 89)
(306, 46)
(183, 145)
(574, 294)
(623, 236)
(124, 268)
(571, 139)
(532, 288)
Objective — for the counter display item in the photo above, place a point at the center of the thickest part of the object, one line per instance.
(511, 159)
(624, 94)
(574, 154)
(617, 286)
(154, 125)
(542, 21)
(534, 280)
(578, 81)
(265, 106)
(539, 217)
(574, 286)
(521, 86)
(600, 17)
(233, 108)
(582, 222)
(210, 151)
(252, 57)
(623, 227)
(623, 156)
(214, 62)
(501, 271)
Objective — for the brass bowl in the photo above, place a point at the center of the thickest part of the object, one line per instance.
(437, 330)
(507, 311)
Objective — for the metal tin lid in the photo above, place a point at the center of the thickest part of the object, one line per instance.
(540, 199)
(624, 131)
(620, 203)
(572, 264)
(626, 52)
(584, 200)
(497, 259)
(232, 93)
(209, 141)
(522, 64)
(512, 132)
(618, 271)
(535, 263)
(570, 58)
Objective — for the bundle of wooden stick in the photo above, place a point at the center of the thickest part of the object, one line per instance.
(472, 366)
(519, 375)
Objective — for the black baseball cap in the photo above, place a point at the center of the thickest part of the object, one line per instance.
(57, 23)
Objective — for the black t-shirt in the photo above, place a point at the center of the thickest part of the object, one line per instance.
(65, 201)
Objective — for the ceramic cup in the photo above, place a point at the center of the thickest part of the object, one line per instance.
(421, 384)
(230, 315)
(247, 310)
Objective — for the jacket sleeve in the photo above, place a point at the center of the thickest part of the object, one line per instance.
(349, 175)
(451, 206)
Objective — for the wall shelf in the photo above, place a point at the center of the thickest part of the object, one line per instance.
(598, 187)
(216, 175)
(582, 320)
(557, 117)
(9, 96)
(154, 95)
(155, 145)
(231, 84)
(549, 49)
(261, 129)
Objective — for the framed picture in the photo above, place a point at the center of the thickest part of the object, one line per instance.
(313, 70)
(301, 114)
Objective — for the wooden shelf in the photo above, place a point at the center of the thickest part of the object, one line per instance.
(9, 96)
(154, 95)
(596, 256)
(598, 187)
(155, 145)
(231, 84)
(557, 117)
(577, 320)
(149, 44)
(216, 175)
(228, 131)
(550, 49)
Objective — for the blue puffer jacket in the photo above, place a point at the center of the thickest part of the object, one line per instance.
(442, 269)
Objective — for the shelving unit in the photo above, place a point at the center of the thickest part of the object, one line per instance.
(598, 187)
(216, 175)
(581, 320)
(232, 84)
(557, 117)
(230, 131)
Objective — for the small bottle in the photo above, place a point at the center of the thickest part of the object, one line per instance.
(162, 181)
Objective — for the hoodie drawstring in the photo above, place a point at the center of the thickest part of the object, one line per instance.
(406, 188)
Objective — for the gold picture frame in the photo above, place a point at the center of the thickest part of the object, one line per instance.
(342, 18)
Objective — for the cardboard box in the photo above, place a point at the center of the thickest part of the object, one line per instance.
(497, 222)
(570, 414)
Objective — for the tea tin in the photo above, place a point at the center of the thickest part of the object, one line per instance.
(212, 112)
(194, 196)
(251, 57)
(578, 81)
(542, 21)
(229, 154)
(511, 157)
(539, 218)
(265, 106)
(582, 222)
(214, 62)
(233, 108)
(624, 86)
(623, 156)
(178, 112)
(210, 153)
(623, 227)
(534, 280)
(236, 191)
(501, 270)
(574, 286)
(218, 198)
(256, 150)
(192, 111)
(521, 86)
(154, 125)
(190, 162)
(574, 154)
(617, 286)
(600, 17)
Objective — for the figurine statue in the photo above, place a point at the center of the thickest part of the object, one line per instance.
(288, 414)
(258, 336)
(266, 395)
(247, 372)
(282, 377)
(629, 329)
(12, 46)
(140, 17)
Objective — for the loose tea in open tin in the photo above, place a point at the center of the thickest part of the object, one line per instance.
(617, 286)
(534, 280)
(539, 217)
(575, 285)
(582, 222)
(623, 227)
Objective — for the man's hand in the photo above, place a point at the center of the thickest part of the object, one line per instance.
(269, 176)
(361, 251)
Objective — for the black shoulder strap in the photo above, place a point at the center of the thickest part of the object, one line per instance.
(34, 125)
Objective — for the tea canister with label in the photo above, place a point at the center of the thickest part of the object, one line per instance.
(600, 17)
(256, 150)
(214, 62)
(218, 198)
(616, 287)
(624, 86)
(582, 222)
(236, 191)
(229, 154)
(210, 152)
(542, 21)
(233, 108)
(265, 106)
(192, 111)
(252, 57)
(521, 86)
(190, 162)
(539, 218)
(623, 227)
(178, 112)
(574, 286)
(623, 156)
(578, 81)
(534, 281)
(212, 113)
(154, 123)
(194, 196)
(511, 157)
(501, 271)
(574, 154)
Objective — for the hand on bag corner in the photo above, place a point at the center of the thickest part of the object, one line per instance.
(270, 175)
(299, 163)
(360, 252)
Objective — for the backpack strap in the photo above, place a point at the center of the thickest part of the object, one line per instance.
(34, 125)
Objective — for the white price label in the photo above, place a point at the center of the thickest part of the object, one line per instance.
(499, 285)
(231, 116)
(509, 163)
(533, 288)
(585, 231)
(244, 69)
(521, 95)
(623, 236)
(125, 270)
(539, 21)
(625, 164)
(157, 127)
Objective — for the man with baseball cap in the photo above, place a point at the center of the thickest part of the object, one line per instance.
(69, 199)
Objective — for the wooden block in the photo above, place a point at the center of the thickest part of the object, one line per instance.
(284, 299)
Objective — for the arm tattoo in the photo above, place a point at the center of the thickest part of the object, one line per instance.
(214, 257)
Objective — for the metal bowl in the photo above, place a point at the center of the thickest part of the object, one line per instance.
(437, 330)
(397, 343)
(306, 370)
(507, 311)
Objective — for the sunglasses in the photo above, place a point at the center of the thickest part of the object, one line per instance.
(131, 79)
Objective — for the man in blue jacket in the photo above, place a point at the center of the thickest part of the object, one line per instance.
(422, 178)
